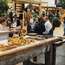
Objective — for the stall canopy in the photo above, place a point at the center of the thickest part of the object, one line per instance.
(29, 1)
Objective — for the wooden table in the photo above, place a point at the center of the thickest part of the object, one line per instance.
(19, 54)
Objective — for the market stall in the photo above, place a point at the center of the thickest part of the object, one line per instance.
(23, 45)
(18, 54)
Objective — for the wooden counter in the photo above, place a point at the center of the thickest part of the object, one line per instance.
(13, 56)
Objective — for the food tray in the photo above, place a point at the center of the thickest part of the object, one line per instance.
(37, 43)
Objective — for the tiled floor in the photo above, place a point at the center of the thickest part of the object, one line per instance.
(60, 55)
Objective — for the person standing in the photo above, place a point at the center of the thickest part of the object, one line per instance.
(48, 26)
(31, 25)
(15, 26)
(40, 28)
(56, 22)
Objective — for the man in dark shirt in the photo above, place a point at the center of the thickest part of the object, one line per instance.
(40, 28)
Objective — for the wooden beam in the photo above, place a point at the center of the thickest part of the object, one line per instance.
(27, 1)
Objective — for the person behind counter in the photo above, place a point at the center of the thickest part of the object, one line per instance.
(48, 26)
(31, 25)
(15, 26)
(40, 28)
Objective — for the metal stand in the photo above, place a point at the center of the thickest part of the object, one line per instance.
(53, 55)
(47, 56)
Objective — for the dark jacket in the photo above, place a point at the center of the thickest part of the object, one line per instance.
(40, 28)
